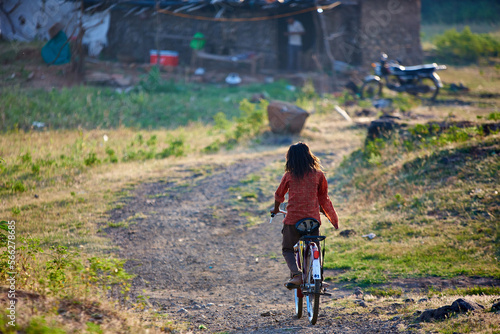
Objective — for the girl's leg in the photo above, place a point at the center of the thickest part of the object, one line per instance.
(290, 238)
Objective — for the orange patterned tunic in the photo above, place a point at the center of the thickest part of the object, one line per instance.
(305, 196)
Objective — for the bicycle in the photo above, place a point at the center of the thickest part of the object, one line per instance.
(309, 254)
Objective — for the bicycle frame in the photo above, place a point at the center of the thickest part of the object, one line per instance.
(306, 245)
(310, 262)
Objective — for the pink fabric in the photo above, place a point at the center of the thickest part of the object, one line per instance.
(305, 196)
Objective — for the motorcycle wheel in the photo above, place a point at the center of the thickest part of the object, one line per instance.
(371, 90)
(429, 89)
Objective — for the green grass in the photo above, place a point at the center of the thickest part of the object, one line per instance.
(456, 12)
(89, 107)
(434, 208)
(430, 197)
(430, 30)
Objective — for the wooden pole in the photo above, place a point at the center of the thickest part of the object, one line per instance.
(157, 37)
(327, 46)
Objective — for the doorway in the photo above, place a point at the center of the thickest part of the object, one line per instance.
(308, 40)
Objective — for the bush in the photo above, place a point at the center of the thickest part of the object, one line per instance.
(465, 46)
(453, 11)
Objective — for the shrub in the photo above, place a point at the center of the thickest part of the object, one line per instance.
(176, 148)
(154, 83)
(465, 46)
(91, 159)
(111, 154)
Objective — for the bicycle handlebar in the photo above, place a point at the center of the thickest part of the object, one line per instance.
(274, 214)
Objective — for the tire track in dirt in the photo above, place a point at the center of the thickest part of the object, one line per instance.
(198, 262)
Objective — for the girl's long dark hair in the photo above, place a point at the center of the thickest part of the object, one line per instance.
(300, 160)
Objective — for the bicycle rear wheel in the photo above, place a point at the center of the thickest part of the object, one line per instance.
(297, 293)
(312, 301)
(314, 290)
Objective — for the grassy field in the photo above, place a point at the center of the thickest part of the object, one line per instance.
(430, 197)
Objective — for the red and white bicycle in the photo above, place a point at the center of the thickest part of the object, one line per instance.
(309, 254)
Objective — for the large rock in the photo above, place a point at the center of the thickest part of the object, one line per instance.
(495, 307)
(461, 305)
(285, 117)
(458, 306)
(383, 127)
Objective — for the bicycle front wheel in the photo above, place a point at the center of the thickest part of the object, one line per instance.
(298, 302)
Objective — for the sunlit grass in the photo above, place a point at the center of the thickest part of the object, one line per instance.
(430, 218)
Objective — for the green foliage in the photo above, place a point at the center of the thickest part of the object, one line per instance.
(453, 12)
(213, 147)
(26, 158)
(494, 116)
(405, 102)
(372, 150)
(61, 271)
(111, 155)
(4, 232)
(220, 122)
(246, 126)
(18, 186)
(176, 147)
(384, 292)
(153, 83)
(431, 191)
(94, 328)
(155, 106)
(475, 291)
(431, 135)
(38, 325)
(397, 203)
(465, 47)
(308, 91)
(35, 168)
(91, 159)
(58, 266)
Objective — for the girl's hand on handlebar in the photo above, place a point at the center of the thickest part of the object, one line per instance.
(274, 211)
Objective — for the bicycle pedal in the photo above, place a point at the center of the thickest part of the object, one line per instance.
(291, 286)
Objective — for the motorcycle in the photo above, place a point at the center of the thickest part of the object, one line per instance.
(420, 80)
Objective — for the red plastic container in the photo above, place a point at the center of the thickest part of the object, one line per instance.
(167, 58)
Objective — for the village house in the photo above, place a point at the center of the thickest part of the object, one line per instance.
(352, 32)
(356, 31)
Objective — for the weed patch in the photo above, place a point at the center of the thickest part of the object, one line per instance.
(431, 204)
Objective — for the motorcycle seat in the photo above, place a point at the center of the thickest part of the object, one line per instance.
(416, 68)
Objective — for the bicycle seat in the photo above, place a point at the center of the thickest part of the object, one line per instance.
(307, 226)
(313, 237)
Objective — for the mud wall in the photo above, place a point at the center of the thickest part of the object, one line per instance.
(342, 25)
(390, 26)
(358, 30)
(133, 36)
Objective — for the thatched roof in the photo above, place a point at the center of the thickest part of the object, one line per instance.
(191, 5)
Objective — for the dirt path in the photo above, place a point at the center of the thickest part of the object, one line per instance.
(198, 262)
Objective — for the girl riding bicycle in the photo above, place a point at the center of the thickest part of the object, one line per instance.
(307, 194)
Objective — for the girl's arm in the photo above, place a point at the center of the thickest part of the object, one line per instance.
(279, 195)
(325, 203)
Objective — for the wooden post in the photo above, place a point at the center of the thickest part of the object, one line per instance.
(157, 37)
(327, 46)
(79, 64)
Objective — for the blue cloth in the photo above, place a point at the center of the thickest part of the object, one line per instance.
(52, 48)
